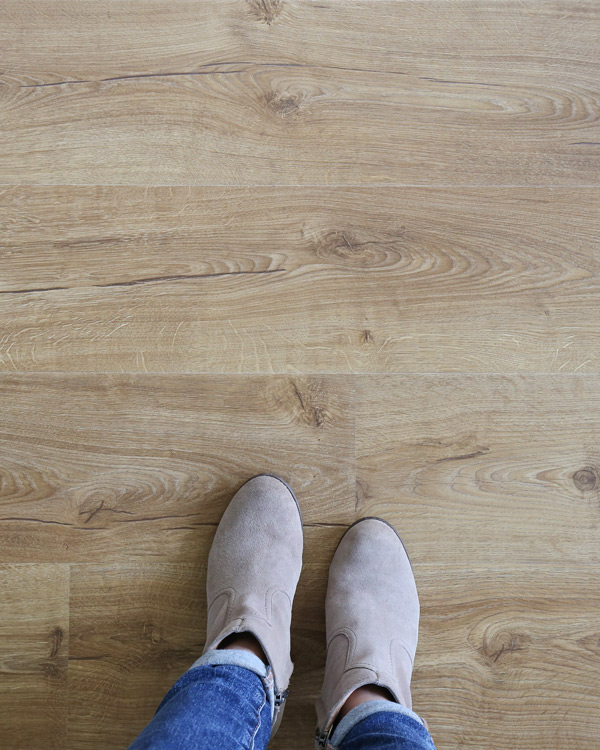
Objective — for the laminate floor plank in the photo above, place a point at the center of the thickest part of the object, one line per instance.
(34, 648)
(508, 656)
(143, 37)
(492, 481)
(118, 468)
(506, 468)
(495, 93)
(299, 280)
(125, 658)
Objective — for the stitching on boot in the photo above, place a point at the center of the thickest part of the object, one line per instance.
(350, 637)
(230, 594)
(352, 640)
(403, 645)
(269, 611)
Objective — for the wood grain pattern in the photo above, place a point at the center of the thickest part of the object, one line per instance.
(493, 483)
(508, 657)
(506, 468)
(230, 93)
(351, 243)
(314, 280)
(34, 647)
(146, 36)
(101, 468)
(114, 691)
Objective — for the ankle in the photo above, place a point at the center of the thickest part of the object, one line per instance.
(244, 642)
(363, 695)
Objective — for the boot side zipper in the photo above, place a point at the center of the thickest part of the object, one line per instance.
(280, 699)
(322, 738)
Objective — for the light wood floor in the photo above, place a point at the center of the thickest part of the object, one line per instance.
(352, 242)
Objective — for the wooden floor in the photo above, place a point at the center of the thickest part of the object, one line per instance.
(352, 242)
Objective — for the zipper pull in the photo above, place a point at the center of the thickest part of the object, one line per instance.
(280, 699)
(322, 739)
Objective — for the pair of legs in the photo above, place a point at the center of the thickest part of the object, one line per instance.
(234, 695)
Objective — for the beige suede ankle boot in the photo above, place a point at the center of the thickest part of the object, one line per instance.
(372, 620)
(253, 568)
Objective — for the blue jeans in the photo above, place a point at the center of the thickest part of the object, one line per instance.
(226, 700)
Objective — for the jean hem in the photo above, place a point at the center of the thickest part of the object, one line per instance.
(362, 711)
(245, 659)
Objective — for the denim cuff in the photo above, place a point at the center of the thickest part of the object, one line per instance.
(240, 658)
(363, 710)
